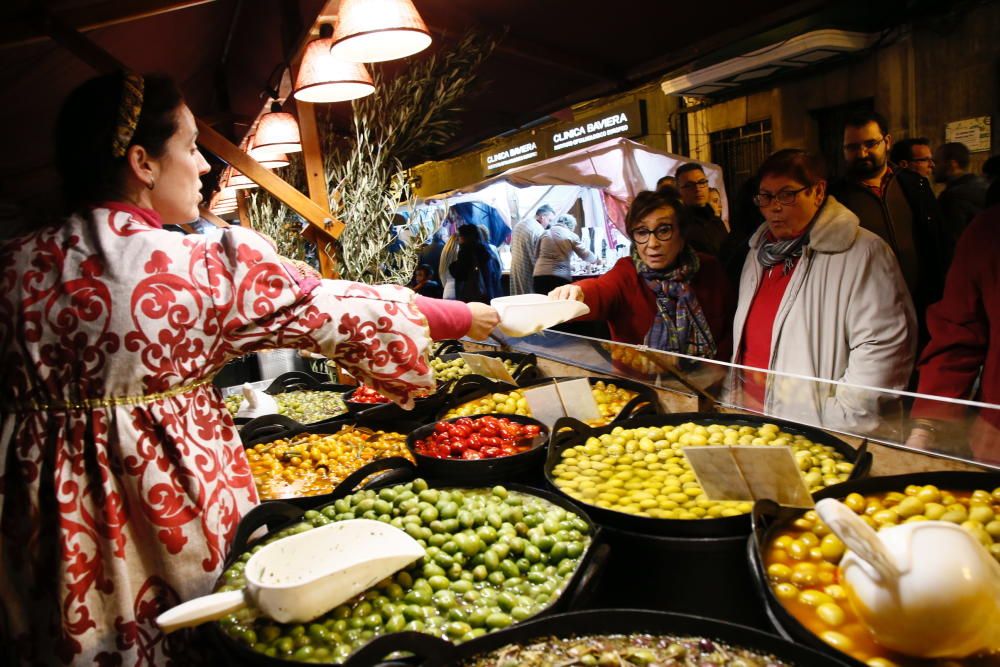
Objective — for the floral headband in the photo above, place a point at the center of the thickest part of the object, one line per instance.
(128, 113)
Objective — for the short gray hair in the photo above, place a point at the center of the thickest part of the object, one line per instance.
(567, 220)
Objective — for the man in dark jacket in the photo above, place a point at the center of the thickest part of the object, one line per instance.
(706, 232)
(898, 205)
(964, 194)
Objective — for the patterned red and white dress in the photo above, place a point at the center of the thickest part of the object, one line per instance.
(122, 478)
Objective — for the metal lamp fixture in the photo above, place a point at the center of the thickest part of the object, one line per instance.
(371, 31)
(323, 78)
(277, 132)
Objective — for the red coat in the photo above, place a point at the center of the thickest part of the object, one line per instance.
(965, 326)
(625, 301)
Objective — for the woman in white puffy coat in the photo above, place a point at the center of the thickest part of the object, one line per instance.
(820, 297)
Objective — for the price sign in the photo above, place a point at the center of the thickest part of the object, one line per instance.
(749, 473)
(550, 402)
(490, 367)
(577, 399)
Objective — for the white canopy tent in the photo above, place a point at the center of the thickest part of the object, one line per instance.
(605, 177)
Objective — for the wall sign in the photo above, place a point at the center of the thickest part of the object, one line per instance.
(975, 133)
(627, 120)
(505, 156)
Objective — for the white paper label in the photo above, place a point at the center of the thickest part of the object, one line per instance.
(749, 473)
(578, 399)
(545, 404)
(490, 367)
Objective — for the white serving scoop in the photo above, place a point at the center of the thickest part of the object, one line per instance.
(256, 403)
(926, 589)
(303, 576)
(525, 314)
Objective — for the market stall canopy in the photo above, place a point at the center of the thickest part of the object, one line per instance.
(617, 168)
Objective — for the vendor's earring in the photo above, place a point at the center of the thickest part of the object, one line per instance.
(151, 184)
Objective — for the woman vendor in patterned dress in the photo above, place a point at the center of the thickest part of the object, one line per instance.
(122, 478)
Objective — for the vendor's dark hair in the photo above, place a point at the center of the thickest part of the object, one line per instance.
(802, 166)
(85, 131)
(647, 201)
(426, 268)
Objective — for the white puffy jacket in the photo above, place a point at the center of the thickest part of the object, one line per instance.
(846, 315)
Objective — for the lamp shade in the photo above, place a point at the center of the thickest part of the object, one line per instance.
(269, 159)
(323, 78)
(278, 132)
(371, 31)
(238, 181)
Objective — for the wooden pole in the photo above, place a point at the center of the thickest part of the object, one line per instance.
(292, 198)
(243, 209)
(312, 153)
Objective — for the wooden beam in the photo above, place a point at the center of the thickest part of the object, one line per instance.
(30, 28)
(289, 196)
(312, 153)
(213, 218)
(243, 209)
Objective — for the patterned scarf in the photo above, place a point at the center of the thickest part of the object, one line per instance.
(772, 253)
(681, 326)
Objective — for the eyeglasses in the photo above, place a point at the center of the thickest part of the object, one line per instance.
(784, 197)
(870, 145)
(691, 185)
(662, 233)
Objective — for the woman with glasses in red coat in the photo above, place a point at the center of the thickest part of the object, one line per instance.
(665, 295)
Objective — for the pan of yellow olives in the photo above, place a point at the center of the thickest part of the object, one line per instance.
(308, 466)
(633, 476)
(616, 399)
(795, 558)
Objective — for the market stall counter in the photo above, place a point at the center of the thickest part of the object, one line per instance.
(668, 548)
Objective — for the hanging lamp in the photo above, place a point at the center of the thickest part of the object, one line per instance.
(268, 158)
(371, 31)
(277, 132)
(323, 78)
(238, 181)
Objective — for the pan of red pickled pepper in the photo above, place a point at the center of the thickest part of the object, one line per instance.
(483, 449)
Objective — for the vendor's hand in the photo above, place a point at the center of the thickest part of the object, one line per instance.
(484, 320)
(567, 293)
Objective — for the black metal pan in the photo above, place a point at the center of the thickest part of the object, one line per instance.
(769, 519)
(570, 432)
(633, 621)
(276, 516)
(484, 471)
(395, 469)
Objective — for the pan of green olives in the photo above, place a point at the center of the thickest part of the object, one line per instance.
(494, 557)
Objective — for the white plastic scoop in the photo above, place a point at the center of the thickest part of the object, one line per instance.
(298, 578)
(927, 589)
(256, 403)
(525, 314)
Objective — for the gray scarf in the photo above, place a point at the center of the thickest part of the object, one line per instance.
(783, 251)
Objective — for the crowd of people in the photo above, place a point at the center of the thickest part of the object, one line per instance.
(868, 281)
